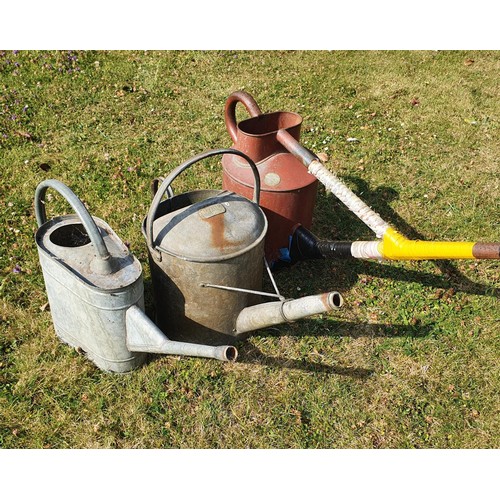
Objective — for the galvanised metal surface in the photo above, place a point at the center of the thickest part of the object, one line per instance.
(204, 238)
(143, 335)
(91, 281)
(288, 191)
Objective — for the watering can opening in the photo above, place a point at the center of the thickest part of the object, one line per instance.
(270, 123)
(71, 236)
(231, 353)
(336, 299)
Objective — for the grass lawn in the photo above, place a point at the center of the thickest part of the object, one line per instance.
(410, 361)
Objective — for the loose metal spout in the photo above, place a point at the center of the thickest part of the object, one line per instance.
(274, 313)
(144, 336)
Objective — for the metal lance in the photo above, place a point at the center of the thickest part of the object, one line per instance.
(265, 136)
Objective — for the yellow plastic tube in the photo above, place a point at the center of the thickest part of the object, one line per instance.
(395, 246)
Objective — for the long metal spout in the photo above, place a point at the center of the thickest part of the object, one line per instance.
(274, 313)
(144, 336)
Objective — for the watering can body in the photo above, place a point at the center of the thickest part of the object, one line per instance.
(88, 304)
(201, 240)
(188, 308)
(288, 191)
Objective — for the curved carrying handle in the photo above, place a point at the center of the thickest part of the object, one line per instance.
(230, 110)
(165, 185)
(88, 222)
(156, 183)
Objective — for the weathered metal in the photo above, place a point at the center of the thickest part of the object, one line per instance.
(206, 237)
(144, 336)
(288, 191)
(206, 253)
(91, 280)
(95, 290)
(267, 314)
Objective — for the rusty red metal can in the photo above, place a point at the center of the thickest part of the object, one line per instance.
(288, 191)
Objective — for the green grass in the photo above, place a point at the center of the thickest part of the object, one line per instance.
(411, 361)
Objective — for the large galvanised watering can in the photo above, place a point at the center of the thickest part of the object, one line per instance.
(206, 252)
(292, 172)
(95, 290)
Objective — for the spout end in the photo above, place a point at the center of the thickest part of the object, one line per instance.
(229, 353)
(335, 300)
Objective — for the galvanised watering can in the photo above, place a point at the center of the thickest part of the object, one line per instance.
(95, 290)
(290, 174)
(206, 253)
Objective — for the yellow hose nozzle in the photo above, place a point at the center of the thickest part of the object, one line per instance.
(395, 246)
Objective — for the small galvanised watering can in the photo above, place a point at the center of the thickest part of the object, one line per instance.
(95, 290)
(206, 252)
(290, 173)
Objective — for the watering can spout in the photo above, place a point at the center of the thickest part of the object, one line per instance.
(274, 313)
(144, 336)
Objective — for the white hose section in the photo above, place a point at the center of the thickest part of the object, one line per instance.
(371, 218)
(365, 250)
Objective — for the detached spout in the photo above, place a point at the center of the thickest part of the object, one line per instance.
(144, 336)
(275, 313)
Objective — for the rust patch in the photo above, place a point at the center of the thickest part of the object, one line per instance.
(331, 300)
(218, 227)
(486, 250)
(325, 301)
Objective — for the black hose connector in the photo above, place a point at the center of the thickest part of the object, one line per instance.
(305, 245)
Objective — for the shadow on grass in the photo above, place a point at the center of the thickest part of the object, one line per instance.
(452, 278)
(251, 355)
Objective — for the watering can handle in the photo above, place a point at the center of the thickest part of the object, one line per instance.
(165, 185)
(156, 183)
(79, 208)
(230, 110)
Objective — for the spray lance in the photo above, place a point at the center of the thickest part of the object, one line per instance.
(274, 139)
(391, 245)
